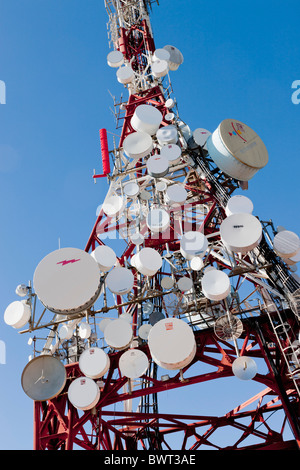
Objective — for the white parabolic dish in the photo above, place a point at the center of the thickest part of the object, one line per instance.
(83, 393)
(118, 334)
(241, 232)
(146, 118)
(237, 204)
(172, 343)
(237, 149)
(193, 244)
(158, 220)
(105, 257)
(133, 363)
(148, 261)
(216, 285)
(120, 280)
(67, 281)
(138, 145)
(157, 166)
(17, 314)
(94, 363)
(286, 244)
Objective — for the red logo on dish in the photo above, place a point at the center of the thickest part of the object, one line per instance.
(63, 263)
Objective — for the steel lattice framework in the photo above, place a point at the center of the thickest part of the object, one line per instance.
(264, 299)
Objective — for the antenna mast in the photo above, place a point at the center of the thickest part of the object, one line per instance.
(195, 289)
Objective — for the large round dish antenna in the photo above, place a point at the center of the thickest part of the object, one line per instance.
(172, 152)
(172, 343)
(120, 280)
(286, 244)
(237, 150)
(94, 363)
(146, 118)
(215, 285)
(193, 244)
(241, 232)
(176, 57)
(83, 393)
(105, 257)
(237, 204)
(148, 261)
(17, 314)
(67, 281)
(167, 135)
(138, 145)
(118, 334)
(158, 220)
(133, 363)
(43, 378)
(157, 166)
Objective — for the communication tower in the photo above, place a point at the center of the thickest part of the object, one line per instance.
(180, 283)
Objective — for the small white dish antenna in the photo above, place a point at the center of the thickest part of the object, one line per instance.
(83, 393)
(133, 363)
(94, 362)
(244, 368)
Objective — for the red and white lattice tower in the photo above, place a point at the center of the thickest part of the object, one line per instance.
(179, 283)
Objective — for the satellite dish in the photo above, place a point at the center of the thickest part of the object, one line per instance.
(237, 204)
(144, 331)
(125, 74)
(170, 103)
(103, 323)
(157, 166)
(155, 317)
(172, 152)
(120, 280)
(113, 206)
(105, 257)
(118, 334)
(138, 145)
(158, 220)
(146, 118)
(176, 57)
(161, 54)
(172, 343)
(228, 327)
(131, 189)
(167, 135)
(84, 330)
(176, 194)
(244, 368)
(200, 136)
(286, 244)
(215, 285)
(161, 186)
(137, 238)
(21, 290)
(160, 68)
(237, 150)
(43, 378)
(169, 117)
(17, 314)
(115, 59)
(196, 263)
(94, 363)
(184, 284)
(65, 332)
(83, 393)
(67, 281)
(241, 232)
(167, 282)
(174, 304)
(148, 261)
(133, 363)
(193, 244)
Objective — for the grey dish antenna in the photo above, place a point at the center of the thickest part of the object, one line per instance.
(228, 327)
(43, 378)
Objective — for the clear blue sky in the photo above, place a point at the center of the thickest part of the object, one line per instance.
(240, 60)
